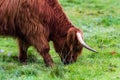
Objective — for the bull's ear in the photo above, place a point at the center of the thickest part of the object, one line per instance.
(71, 35)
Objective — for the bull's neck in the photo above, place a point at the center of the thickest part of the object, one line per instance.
(61, 23)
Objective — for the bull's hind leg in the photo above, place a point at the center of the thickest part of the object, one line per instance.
(42, 46)
(23, 46)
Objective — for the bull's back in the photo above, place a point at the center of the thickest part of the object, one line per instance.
(18, 14)
(8, 9)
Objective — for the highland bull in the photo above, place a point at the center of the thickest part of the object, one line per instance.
(35, 23)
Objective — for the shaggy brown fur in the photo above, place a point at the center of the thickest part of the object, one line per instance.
(35, 23)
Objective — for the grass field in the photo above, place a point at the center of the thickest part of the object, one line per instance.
(100, 22)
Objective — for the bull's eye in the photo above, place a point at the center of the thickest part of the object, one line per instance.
(76, 49)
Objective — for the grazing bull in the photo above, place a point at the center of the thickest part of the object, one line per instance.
(35, 23)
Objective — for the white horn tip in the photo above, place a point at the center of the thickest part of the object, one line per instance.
(79, 36)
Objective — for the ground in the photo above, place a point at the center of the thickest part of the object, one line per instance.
(100, 22)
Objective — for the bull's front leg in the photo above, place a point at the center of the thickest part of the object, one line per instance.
(23, 46)
(46, 56)
(42, 46)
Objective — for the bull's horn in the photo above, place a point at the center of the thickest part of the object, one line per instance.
(79, 37)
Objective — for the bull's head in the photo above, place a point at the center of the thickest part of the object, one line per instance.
(73, 46)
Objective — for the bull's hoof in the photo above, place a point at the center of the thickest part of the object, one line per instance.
(49, 64)
(23, 61)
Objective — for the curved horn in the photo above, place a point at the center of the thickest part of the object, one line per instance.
(79, 37)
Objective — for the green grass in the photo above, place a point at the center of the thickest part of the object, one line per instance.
(100, 22)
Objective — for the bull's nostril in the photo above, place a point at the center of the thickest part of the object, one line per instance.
(68, 62)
